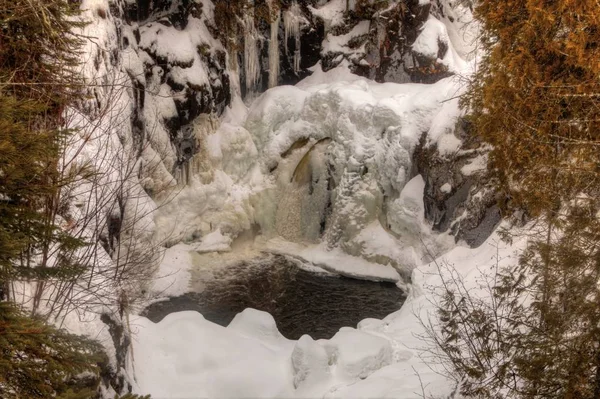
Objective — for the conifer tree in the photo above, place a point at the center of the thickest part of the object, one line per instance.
(38, 79)
(40, 361)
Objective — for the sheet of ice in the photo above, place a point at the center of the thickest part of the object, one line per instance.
(274, 50)
(213, 242)
(335, 261)
(293, 23)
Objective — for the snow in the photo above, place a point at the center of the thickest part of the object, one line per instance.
(462, 29)
(433, 33)
(185, 356)
(331, 13)
(339, 44)
(446, 188)
(360, 133)
(173, 276)
(477, 164)
(376, 242)
(359, 354)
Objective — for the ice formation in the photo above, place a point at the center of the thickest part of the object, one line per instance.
(274, 51)
(338, 148)
(292, 23)
(251, 52)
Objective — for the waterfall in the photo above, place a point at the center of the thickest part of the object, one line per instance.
(274, 52)
(303, 206)
(251, 56)
(292, 19)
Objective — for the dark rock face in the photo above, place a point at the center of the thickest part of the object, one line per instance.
(142, 10)
(311, 39)
(463, 202)
(310, 46)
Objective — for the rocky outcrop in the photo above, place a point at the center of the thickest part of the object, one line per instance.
(381, 41)
(459, 195)
(177, 69)
(113, 375)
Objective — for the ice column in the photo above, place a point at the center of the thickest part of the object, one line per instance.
(251, 56)
(292, 19)
(274, 52)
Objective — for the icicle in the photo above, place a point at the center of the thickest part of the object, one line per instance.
(251, 57)
(274, 53)
(292, 19)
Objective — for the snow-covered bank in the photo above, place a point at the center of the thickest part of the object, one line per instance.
(185, 356)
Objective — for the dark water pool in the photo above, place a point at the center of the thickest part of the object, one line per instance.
(301, 302)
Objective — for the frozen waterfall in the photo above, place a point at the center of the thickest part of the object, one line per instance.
(304, 203)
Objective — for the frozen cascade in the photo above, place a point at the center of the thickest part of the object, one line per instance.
(198, 166)
(303, 207)
(292, 22)
(274, 52)
(251, 56)
(358, 202)
(202, 168)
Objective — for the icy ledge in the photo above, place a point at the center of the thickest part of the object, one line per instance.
(334, 261)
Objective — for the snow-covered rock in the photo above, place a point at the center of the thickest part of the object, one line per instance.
(358, 354)
(458, 193)
(310, 362)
